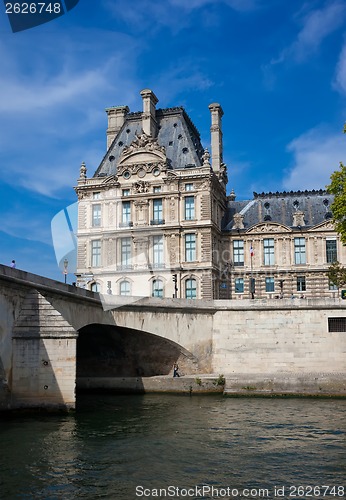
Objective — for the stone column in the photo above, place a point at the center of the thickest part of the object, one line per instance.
(216, 136)
(116, 119)
(149, 124)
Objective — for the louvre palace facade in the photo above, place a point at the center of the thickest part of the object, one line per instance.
(155, 219)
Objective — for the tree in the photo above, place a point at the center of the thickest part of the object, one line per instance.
(337, 274)
(337, 187)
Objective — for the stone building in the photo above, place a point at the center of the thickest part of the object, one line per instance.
(155, 219)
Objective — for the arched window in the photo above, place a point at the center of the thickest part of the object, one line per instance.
(124, 288)
(95, 287)
(190, 288)
(157, 288)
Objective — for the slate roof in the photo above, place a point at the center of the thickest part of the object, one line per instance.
(176, 133)
(279, 207)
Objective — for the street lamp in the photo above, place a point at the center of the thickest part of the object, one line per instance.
(65, 268)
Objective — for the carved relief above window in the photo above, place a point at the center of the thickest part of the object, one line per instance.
(141, 187)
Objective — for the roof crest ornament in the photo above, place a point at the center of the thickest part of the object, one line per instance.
(143, 141)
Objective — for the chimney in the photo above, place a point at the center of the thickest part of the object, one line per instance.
(149, 124)
(116, 119)
(216, 136)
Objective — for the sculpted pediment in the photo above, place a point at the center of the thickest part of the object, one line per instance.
(269, 227)
(144, 149)
(327, 225)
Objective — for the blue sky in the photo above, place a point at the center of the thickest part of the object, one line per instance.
(277, 68)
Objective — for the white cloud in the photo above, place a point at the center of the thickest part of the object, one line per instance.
(317, 154)
(52, 104)
(181, 77)
(316, 26)
(340, 76)
(151, 14)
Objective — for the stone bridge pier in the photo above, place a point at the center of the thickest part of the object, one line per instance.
(52, 335)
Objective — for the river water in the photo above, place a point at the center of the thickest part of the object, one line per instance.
(129, 447)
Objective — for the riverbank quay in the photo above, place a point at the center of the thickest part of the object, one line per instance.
(324, 385)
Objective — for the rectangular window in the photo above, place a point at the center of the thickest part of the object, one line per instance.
(96, 195)
(126, 192)
(336, 324)
(125, 250)
(158, 251)
(126, 212)
(96, 253)
(96, 215)
(239, 285)
(157, 189)
(190, 289)
(332, 286)
(301, 284)
(299, 251)
(157, 210)
(190, 247)
(189, 207)
(157, 290)
(268, 249)
(189, 187)
(238, 252)
(270, 284)
(331, 251)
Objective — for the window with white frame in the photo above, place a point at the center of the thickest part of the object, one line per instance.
(332, 285)
(157, 288)
(96, 215)
(158, 251)
(125, 252)
(331, 251)
(299, 251)
(190, 247)
(95, 287)
(124, 288)
(157, 189)
(157, 210)
(301, 284)
(268, 251)
(238, 252)
(270, 284)
(189, 186)
(190, 288)
(189, 208)
(96, 253)
(239, 285)
(126, 192)
(96, 195)
(126, 212)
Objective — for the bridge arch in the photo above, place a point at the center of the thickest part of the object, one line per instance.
(118, 351)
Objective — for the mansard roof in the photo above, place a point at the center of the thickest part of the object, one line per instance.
(280, 207)
(176, 133)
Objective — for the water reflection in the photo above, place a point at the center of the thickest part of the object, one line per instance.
(114, 443)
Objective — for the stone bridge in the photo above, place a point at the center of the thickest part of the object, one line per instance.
(52, 335)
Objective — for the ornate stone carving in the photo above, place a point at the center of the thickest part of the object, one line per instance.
(141, 187)
(206, 158)
(298, 219)
(145, 142)
(238, 221)
(269, 228)
(82, 171)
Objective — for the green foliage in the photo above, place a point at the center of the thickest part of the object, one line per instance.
(337, 274)
(337, 187)
(198, 381)
(220, 380)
